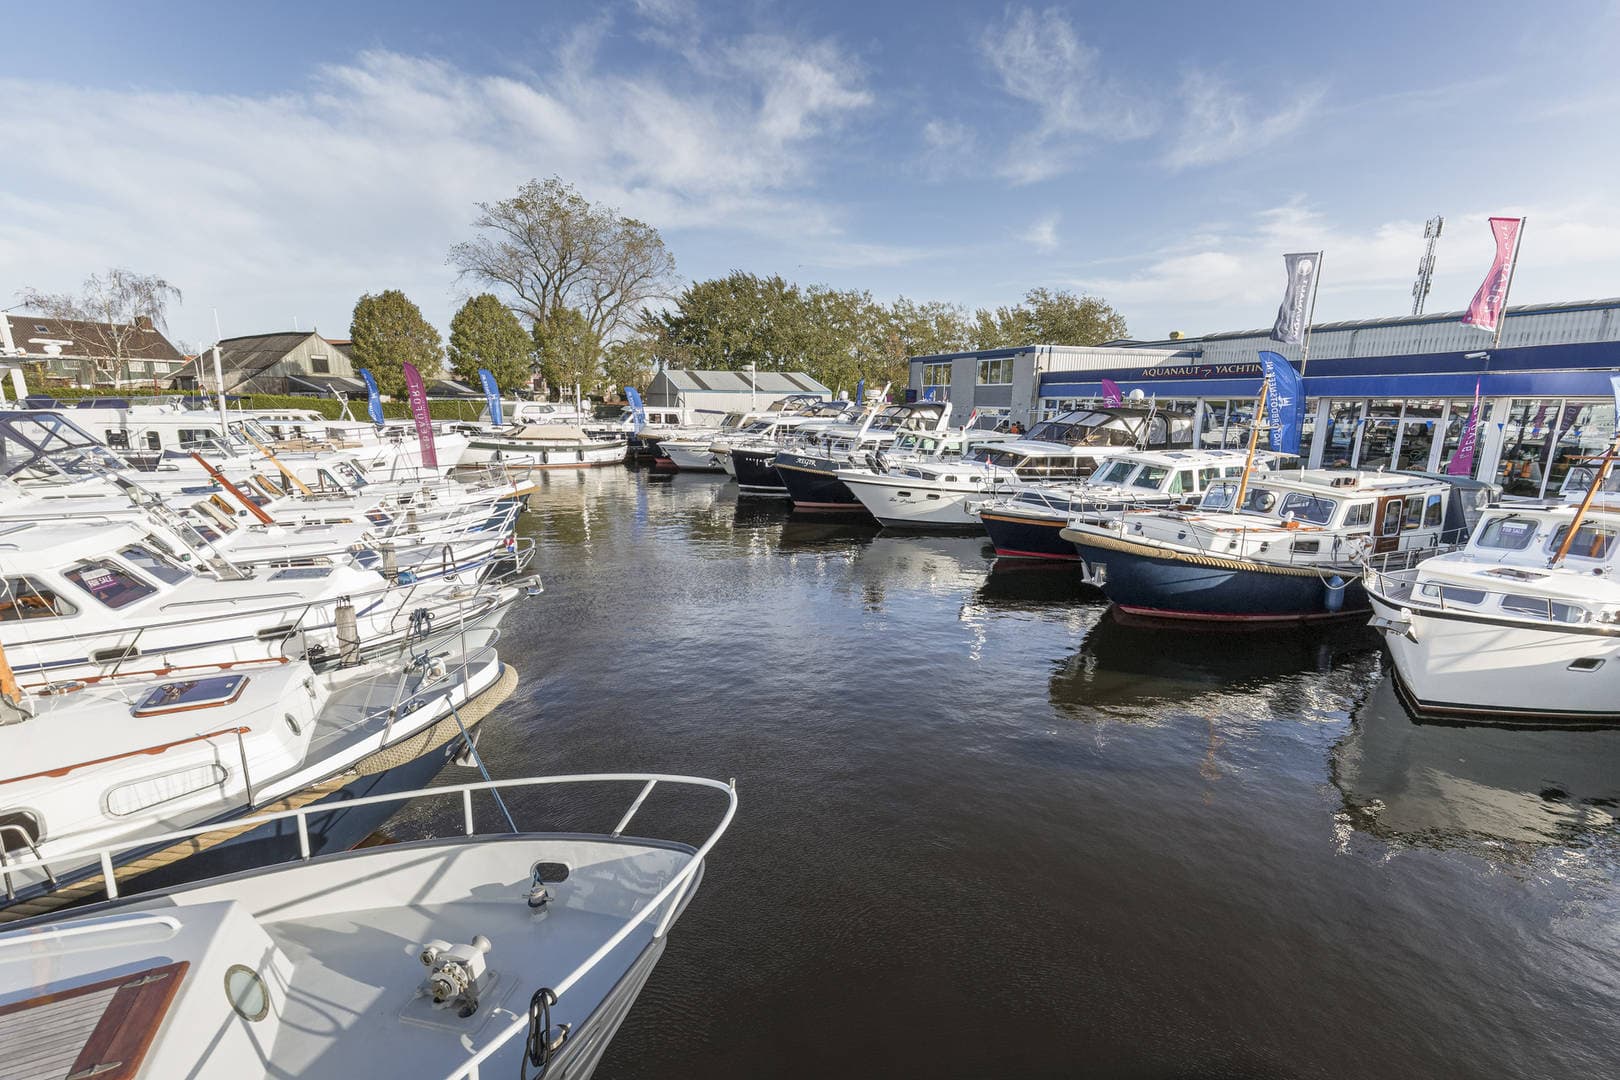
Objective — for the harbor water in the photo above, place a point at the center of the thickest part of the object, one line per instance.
(987, 829)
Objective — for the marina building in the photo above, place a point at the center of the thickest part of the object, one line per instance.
(693, 392)
(1389, 393)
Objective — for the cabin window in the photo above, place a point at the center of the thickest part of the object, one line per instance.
(264, 484)
(995, 372)
(1506, 533)
(1414, 512)
(1390, 523)
(1115, 472)
(1182, 483)
(1259, 501)
(26, 598)
(17, 829)
(193, 436)
(1219, 496)
(1150, 477)
(1433, 512)
(1358, 514)
(1158, 431)
(1592, 541)
(150, 561)
(1301, 506)
(1540, 607)
(108, 582)
(1208, 476)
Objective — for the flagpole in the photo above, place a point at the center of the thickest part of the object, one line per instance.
(1305, 351)
(1501, 321)
(1254, 439)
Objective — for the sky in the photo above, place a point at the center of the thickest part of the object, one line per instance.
(277, 162)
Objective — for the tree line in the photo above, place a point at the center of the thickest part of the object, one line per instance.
(579, 294)
(582, 295)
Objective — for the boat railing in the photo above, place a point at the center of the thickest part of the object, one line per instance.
(1531, 607)
(1335, 548)
(667, 899)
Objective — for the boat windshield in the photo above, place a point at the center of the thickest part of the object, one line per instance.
(1592, 541)
(1303, 506)
(1151, 476)
(1260, 501)
(43, 444)
(1115, 472)
(1506, 532)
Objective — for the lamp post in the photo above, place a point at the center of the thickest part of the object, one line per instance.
(752, 402)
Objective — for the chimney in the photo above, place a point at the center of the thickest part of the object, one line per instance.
(143, 322)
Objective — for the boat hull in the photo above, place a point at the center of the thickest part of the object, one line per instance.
(1153, 583)
(813, 484)
(1454, 663)
(691, 459)
(755, 470)
(560, 457)
(1017, 536)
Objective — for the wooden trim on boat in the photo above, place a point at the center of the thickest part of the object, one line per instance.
(129, 1020)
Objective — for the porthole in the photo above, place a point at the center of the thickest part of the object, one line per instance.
(246, 992)
(292, 722)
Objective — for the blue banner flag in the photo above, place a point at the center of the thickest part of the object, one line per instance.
(860, 391)
(373, 397)
(636, 407)
(492, 396)
(1285, 402)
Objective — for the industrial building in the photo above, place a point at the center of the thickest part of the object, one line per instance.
(1381, 393)
(697, 393)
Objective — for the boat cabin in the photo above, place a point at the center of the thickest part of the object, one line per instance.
(1143, 428)
(1395, 511)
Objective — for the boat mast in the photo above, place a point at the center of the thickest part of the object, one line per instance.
(1254, 439)
(1591, 493)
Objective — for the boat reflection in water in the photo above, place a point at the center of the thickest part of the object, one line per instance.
(1125, 665)
(1454, 785)
(1028, 583)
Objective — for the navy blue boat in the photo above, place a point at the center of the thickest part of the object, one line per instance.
(812, 481)
(756, 469)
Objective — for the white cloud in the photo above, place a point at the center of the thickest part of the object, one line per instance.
(293, 204)
(948, 148)
(1042, 235)
(1231, 278)
(1040, 60)
(1220, 123)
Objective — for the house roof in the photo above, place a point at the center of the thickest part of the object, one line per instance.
(325, 384)
(737, 382)
(245, 357)
(85, 338)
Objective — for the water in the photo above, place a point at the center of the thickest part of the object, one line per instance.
(988, 830)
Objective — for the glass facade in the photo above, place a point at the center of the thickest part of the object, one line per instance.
(1543, 437)
(996, 372)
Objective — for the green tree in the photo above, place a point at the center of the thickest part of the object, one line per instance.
(1049, 317)
(548, 247)
(730, 322)
(629, 363)
(388, 332)
(568, 350)
(485, 334)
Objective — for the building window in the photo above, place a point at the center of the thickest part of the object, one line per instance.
(995, 372)
(321, 365)
(936, 382)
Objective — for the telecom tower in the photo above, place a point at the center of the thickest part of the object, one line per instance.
(1420, 288)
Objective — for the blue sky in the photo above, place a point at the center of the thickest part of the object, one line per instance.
(277, 162)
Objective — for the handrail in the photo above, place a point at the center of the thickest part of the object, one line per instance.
(670, 892)
(1405, 593)
(150, 751)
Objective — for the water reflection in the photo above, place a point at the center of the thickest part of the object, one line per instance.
(1140, 665)
(1448, 785)
(1032, 583)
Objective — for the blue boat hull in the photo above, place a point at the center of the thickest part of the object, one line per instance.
(1157, 586)
(813, 483)
(755, 469)
(1029, 538)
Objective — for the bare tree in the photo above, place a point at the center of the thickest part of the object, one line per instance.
(548, 247)
(119, 309)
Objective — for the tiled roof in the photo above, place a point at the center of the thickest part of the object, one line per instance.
(86, 339)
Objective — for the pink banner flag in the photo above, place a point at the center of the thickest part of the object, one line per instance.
(419, 410)
(1462, 462)
(1491, 299)
(1111, 393)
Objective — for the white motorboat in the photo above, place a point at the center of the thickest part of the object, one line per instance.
(452, 956)
(1520, 624)
(934, 495)
(1026, 522)
(808, 470)
(132, 595)
(544, 446)
(115, 759)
